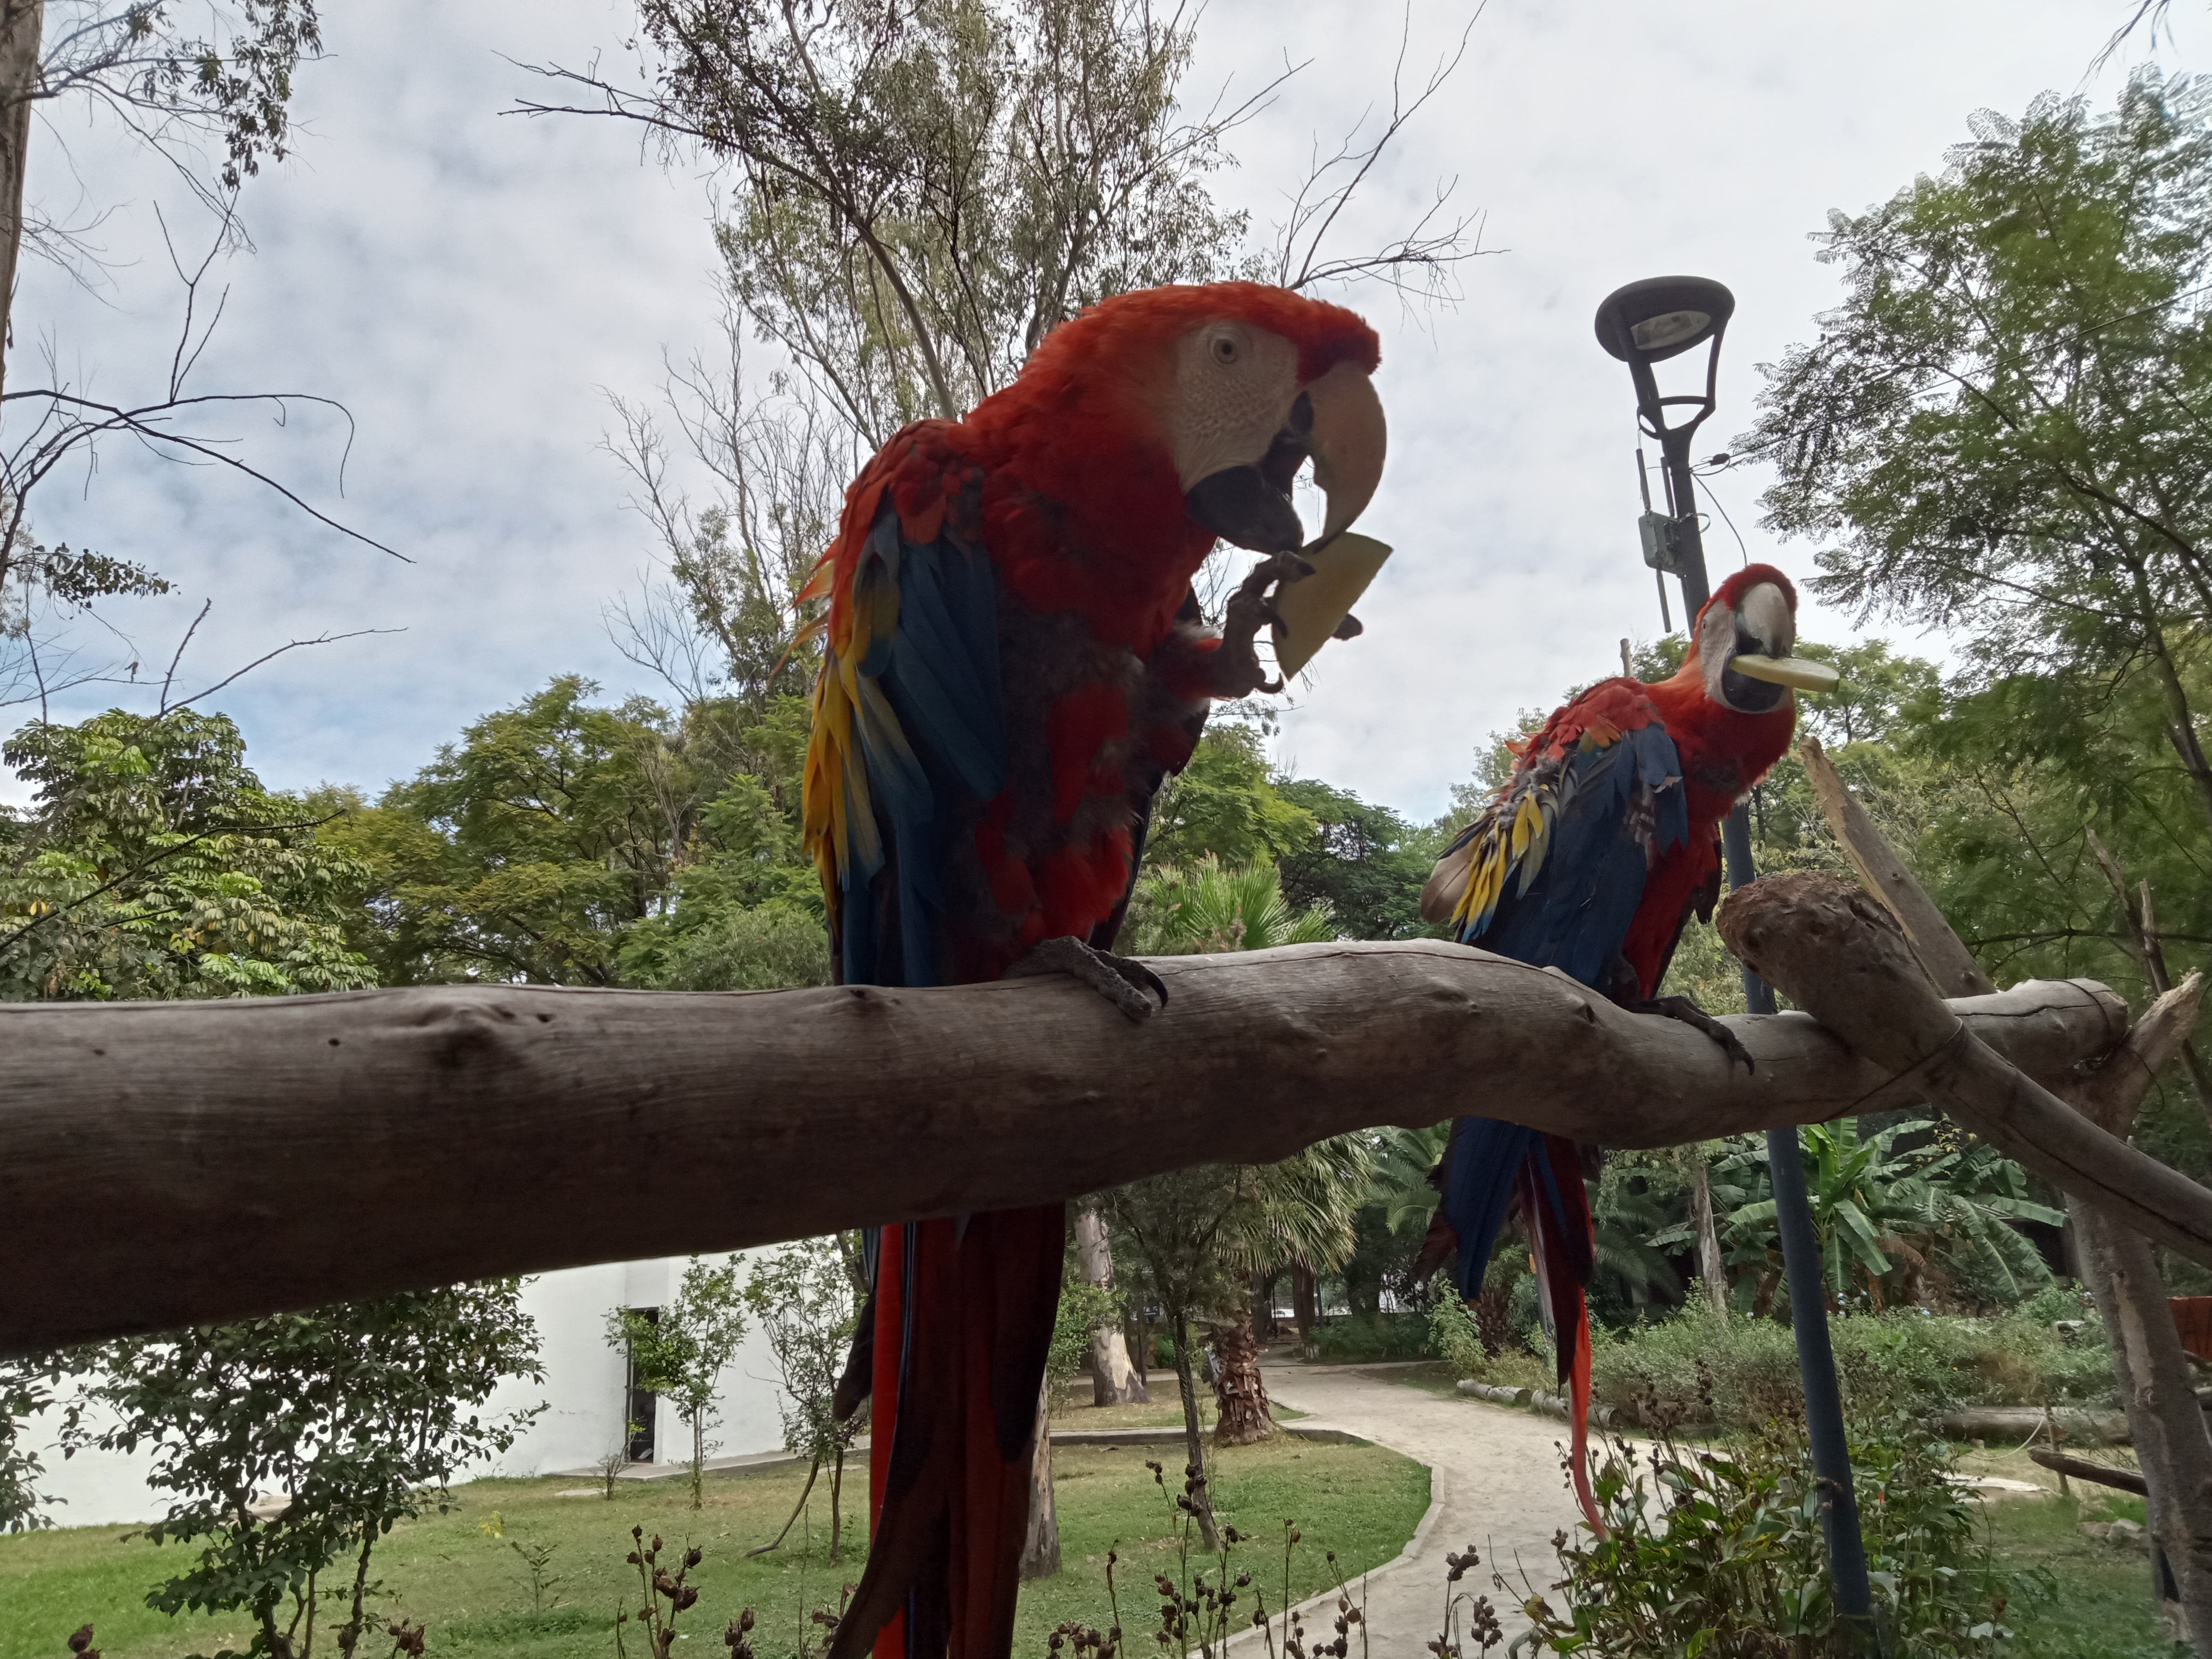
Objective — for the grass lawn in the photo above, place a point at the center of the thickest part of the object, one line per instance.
(2103, 1607)
(472, 1591)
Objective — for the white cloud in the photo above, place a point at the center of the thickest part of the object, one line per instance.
(468, 283)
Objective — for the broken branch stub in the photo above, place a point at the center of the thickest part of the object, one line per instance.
(1840, 955)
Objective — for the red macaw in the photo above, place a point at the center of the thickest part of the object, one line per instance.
(1014, 662)
(1590, 859)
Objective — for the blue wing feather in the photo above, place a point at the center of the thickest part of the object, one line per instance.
(1619, 805)
(931, 731)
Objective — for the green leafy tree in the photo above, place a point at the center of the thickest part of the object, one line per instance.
(802, 1298)
(2001, 429)
(1365, 863)
(682, 1349)
(1226, 805)
(564, 842)
(361, 1414)
(153, 863)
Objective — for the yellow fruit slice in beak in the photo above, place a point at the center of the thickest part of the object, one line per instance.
(1799, 673)
(1313, 607)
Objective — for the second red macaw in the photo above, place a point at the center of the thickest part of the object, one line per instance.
(1013, 662)
(1592, 859)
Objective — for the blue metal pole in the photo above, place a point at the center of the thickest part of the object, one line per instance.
(1793, 1209)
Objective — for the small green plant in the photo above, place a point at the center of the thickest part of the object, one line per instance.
(537, 1568)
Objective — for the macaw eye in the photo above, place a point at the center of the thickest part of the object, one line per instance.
(1224, 349)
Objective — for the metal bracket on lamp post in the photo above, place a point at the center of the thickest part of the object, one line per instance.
(1643, 324)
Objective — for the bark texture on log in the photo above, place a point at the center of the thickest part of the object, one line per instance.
(1946, 960)
(363, 1143)
(2098, 1475)
(1840, 955)
(1114, 1379)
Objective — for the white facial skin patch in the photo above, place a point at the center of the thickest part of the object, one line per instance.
(1234, 387)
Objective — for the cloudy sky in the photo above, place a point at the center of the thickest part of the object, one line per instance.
(472, 286)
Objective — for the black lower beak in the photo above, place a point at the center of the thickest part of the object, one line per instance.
(1240, 504)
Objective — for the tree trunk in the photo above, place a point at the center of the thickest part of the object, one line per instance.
(21, 24)
(1041, 1544)
(1263, 1307)
(2165, 1422)
(1711, 1268)
(1115, 1381)
(1306, 1303)
(1240, 1393)
(837, 1504)
(1201, 1500)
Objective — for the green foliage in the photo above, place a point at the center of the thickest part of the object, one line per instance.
(567, 843)
(1203, 908)
(154, 864)
(2000, 430)
(1889, 1220)
(1226, 805)
(801, 1296)
(1744, 1371)
(1083, 1307)
(1364, 864)
(912, 225)
(1720, 1552)
(27, 1389)
(1454, 1337)
(1372, 1337)
(681, 1349)
(361, 1412)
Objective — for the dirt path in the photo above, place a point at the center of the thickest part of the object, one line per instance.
(1495, 1482)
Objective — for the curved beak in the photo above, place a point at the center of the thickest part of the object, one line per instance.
(1347, 442)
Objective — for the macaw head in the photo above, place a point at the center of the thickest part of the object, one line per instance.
(1740, 650)
(1240, 385)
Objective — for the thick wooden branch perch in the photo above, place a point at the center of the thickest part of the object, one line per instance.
(169, 1163)
(1841, 955)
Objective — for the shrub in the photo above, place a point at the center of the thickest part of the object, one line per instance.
(1720, 1551)
(1902, 1360)
(1372, 1337)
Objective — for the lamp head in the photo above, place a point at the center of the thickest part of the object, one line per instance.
(1662, 317)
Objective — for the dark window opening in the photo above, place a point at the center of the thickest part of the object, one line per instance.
(641, 1404)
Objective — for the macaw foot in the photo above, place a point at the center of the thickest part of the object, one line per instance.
(1687, 1011)
(1237, 670)
(1122, 980)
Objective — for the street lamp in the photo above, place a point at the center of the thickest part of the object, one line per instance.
(1645, 324)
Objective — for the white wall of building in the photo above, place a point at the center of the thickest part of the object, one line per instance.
(583, 1395)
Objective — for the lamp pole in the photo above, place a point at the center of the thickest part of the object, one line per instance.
(1644, 324)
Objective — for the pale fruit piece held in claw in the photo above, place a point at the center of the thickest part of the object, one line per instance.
(1800, 673)
(1311, 607)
